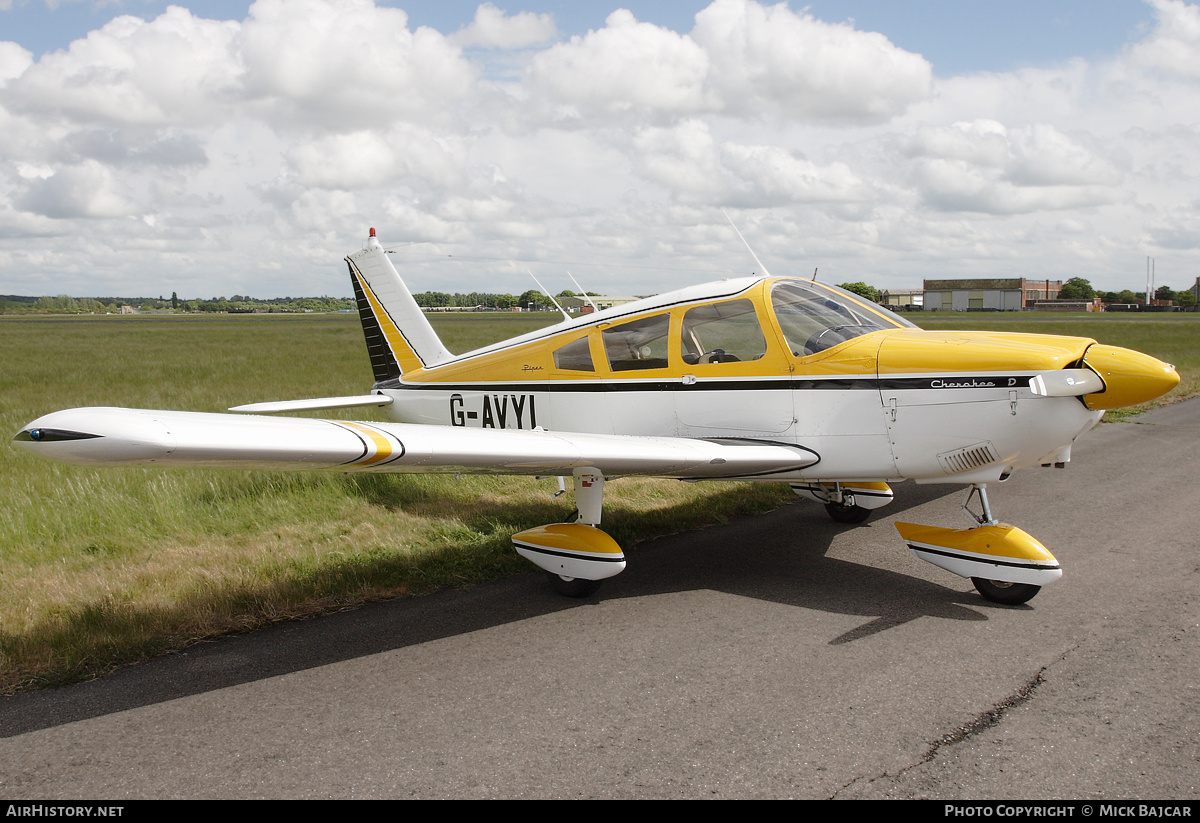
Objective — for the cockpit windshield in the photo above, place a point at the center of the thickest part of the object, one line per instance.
(814, 318)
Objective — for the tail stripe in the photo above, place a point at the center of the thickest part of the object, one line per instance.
(390, 352)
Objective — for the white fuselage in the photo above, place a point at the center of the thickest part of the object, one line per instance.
(924, 427)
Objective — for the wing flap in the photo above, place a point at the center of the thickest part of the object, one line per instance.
(130, 437)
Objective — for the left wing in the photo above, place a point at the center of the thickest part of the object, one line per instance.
(141, 437)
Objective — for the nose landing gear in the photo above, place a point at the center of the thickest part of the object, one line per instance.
(1005, 564)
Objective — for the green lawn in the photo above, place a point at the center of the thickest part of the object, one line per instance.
(100, 567)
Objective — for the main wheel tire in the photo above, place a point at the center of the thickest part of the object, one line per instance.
(1008, 594)
(573, 586)
(847, 514)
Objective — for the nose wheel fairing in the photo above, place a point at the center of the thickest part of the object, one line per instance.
(996, 552)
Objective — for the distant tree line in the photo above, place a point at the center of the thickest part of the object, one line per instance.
(531, 300)
(1077, 288)
(863, 290)
(65, 304)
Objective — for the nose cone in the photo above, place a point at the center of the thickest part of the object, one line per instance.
(1130, 377)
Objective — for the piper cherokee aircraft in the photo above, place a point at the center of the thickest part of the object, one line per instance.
(759, 378)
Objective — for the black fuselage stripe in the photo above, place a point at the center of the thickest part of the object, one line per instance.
(948, 383)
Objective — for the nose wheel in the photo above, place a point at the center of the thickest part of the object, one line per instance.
(1007, 594)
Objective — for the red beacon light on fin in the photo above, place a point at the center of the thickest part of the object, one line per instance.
(372, 232)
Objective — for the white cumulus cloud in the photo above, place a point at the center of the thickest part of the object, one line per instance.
(768, 60)
(249, 153)
(1174, 47)
(493, 28)
(177, 69)
(627, 66)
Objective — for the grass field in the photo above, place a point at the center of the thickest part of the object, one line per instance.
(102, 567)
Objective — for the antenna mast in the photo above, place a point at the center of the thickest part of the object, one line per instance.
(582, 292)
(743, 239)
(552, 300)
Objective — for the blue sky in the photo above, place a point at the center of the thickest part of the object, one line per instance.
(957, 37)
(225, 147)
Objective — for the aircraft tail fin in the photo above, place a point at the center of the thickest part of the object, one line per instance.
(399, 336)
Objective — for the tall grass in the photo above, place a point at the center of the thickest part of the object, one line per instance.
(100, 567)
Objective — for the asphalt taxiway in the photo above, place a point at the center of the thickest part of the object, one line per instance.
(776, 656)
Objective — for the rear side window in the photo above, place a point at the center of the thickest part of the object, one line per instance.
(575, 356)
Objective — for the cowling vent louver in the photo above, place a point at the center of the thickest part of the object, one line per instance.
(972, 457)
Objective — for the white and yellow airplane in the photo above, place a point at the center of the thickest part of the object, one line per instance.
(760, 378)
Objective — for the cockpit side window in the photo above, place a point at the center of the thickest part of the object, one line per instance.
(640, 344)
(726, 332)
(813, 319)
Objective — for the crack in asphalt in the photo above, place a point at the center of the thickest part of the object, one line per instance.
(982, 723)
(988, 719)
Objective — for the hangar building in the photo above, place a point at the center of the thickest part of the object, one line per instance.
(989, 294)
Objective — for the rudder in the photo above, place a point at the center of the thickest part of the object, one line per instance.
(399, 337)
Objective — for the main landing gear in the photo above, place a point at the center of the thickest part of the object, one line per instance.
(850, 514)
(1005, 564)
(1009, 594)
(849, 503)
(573, 586)
(576, 556)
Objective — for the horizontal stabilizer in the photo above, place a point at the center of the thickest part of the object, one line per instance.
(314, 404)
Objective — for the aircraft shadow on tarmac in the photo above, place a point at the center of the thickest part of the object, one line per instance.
(780, 556)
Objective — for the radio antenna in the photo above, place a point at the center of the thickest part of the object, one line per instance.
(743, 239)
(582, 293)
(551, 296)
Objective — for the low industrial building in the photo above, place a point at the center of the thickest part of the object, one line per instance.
(581, 304)
(902, 299)
(988, 294)
(1069, 305)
